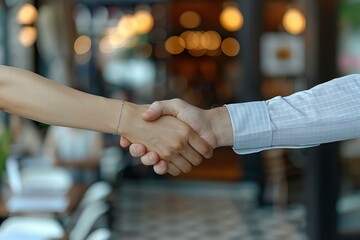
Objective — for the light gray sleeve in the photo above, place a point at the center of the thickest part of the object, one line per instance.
(328, 112)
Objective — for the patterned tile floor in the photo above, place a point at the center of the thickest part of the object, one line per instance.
(162, 210)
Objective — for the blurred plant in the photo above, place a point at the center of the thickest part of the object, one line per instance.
(349, 12)
(4, 148)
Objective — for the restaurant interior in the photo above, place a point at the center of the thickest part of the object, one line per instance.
(208, 53)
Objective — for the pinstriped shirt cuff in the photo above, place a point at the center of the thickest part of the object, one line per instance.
(251, 126)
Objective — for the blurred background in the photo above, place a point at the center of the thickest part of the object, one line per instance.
(62, 183)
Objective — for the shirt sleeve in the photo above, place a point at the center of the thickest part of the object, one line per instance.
(326, 113)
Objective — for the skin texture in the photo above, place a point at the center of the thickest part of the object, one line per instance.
(31, 96)
(214, 126)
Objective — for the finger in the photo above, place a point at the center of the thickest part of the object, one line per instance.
(173, 170)
(153, 112)
(181, 163)
(192, 156)
(158, 108)
(150, 158)
(200, 146)
(137, 150)
(124, 142)
(161, 167)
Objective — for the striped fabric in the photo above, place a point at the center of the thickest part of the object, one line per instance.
(325, 113)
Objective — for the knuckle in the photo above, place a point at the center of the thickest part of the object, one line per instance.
(178, 145)
(187, 131)
(166, 155)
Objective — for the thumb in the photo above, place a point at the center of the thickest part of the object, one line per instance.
(159, 108)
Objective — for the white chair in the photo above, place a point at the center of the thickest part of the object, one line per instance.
(33, 227)
(100, 234)
(34, 179)
(46, 178)
(96, 192)
(87, 219)
(41, 228)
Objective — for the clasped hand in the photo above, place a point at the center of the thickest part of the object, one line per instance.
(194, 134)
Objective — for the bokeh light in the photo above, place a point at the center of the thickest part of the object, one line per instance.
(27, 36)
(175, 45)
(82, 44)
(192, 39)
(190, 19)
(126, 26)
(210, 40)
(230, 47)
(294, 21)
(231, 18)
(105, 45)
(27, 14)
(144, 22)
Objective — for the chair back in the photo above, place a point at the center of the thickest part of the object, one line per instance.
(47, 178)
(88, 217)
(96, 192)
(42, 228)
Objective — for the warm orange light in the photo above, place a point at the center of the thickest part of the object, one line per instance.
(230, 47)
(192, 39)
(231, 18)
(197, 52)
(144, 22)
(27, 36)
(210, 40)
(126, 26)
(294, 21)
(190, 19)
(82, 44)
(105, 46)
(116, 40)
(174, 45)
(27, 14)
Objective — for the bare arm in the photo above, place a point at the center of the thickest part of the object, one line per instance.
(31, 96)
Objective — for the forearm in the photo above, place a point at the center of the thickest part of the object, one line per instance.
(31, 96)
(220, 124)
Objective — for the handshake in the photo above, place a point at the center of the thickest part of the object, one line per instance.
(186, 135)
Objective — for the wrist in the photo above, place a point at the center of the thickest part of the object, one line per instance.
(221, 126)
(130, 118)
